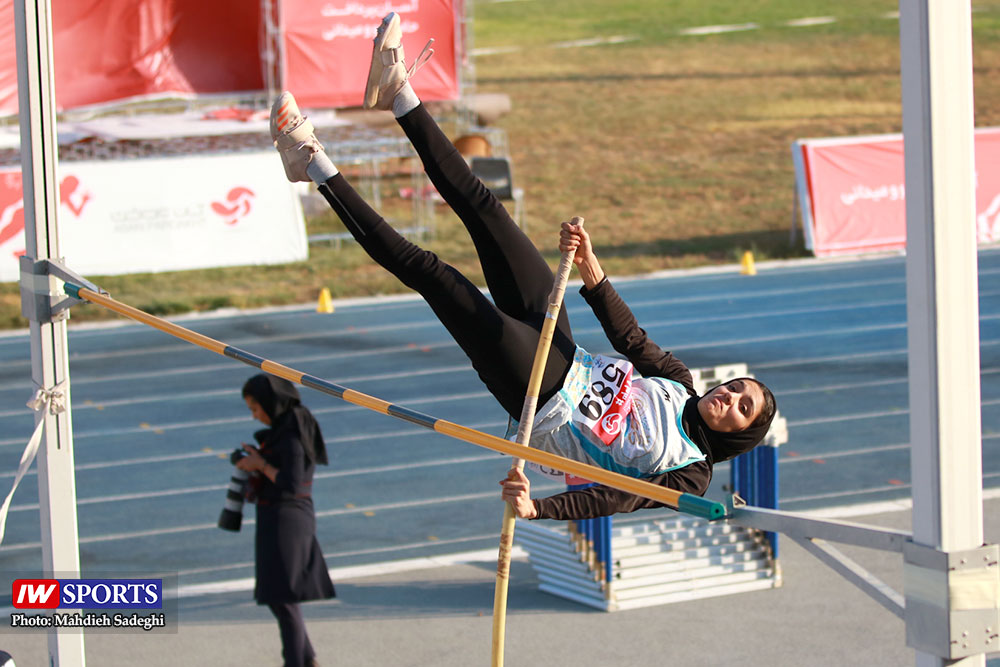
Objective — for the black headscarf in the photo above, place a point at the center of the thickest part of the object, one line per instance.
(280, 401)
(716, 445)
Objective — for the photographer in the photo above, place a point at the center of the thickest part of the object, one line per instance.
(289, 564)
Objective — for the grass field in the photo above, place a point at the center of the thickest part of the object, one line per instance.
(674, 147)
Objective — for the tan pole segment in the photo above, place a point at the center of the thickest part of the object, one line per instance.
(523, 436)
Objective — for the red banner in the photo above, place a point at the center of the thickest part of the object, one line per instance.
(852, 192)
(111, 50)
(328, 48)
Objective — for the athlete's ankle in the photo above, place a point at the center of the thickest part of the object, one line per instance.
(321, 169)
(405, 101)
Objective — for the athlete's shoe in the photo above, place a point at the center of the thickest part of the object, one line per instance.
(388, 72)
(293, 135)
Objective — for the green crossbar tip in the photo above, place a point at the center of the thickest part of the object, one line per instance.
(701, 507)
(72, 290)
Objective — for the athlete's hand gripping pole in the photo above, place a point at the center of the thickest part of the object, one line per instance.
(523, 435)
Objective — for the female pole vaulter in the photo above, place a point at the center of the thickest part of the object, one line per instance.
(593, 410)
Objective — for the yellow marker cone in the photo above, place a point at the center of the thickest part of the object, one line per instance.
(748, 268)
(325, 304)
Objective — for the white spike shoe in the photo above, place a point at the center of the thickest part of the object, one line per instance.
(388, 72)
(294, 137)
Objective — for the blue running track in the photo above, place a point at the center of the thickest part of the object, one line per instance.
(155, 418)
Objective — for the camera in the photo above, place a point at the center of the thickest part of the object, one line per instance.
(232, 512)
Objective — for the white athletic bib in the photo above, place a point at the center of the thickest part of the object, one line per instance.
(605, 406)
(603, 417)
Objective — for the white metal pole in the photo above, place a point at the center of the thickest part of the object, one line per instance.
(49, 365)
(941, 271)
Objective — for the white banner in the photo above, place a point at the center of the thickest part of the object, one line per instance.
(166, 214)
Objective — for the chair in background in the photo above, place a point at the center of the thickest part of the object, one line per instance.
(495, 173)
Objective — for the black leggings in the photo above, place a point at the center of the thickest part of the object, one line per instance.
(500, 340)
(295, 645)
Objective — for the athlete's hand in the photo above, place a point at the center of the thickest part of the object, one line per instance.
(574, 238)
(517, 492)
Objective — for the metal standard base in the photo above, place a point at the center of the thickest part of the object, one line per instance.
(952, 602)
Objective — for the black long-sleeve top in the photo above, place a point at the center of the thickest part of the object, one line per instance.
(649, 359)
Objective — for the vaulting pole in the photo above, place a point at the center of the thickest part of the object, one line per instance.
(684, 502)
(523, 435)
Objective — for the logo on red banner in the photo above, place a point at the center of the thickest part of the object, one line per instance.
(240, 203)
(12, 210)
(72, 196)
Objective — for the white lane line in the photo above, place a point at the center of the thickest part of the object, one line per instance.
(329, 336)
(595, 41)
(844, 494)
(224, 454)
(174, 530)
(865, 415)
(718, 29)
(874, 489)
(438, 463)
(323, 411)
(809, 267)
(427, 320)
(727, 297)
(453, 369)
(489, 555)
(862, 451)
(362, 571)
(855, 356)
(494, 50)
(441, 399)
(376, 470)
(158, 428)
(244, 419)
(811, 21)
(229, 364)
(812, 389)
(448, 344)
(883, 507)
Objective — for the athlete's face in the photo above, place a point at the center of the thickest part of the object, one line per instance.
(732, 406)
(257, 411)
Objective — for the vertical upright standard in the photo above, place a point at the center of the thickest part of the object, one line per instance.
(49, 365)
(943, 320)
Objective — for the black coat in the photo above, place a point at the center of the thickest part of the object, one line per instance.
(289, 563)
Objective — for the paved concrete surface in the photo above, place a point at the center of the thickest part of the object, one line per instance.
(442, 617)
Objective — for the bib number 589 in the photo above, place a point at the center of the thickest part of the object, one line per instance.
(601, 393)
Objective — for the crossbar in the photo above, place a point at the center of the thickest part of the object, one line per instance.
(684, 502)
